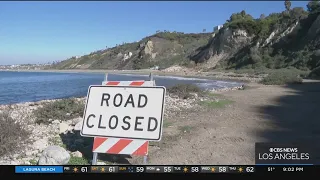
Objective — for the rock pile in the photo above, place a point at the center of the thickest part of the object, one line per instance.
(46, 145)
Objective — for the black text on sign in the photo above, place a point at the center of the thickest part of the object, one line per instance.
(124, 112)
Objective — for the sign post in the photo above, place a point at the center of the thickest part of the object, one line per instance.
(123, 116)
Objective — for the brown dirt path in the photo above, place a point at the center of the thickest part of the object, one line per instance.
(227, 135)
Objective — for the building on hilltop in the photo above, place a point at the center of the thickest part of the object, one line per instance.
(217, 28)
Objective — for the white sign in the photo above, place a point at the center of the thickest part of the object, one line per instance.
(133, 112)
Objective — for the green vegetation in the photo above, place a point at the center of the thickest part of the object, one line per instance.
(313, 6)
(315, 73)
(185, 91)
(181, 37)
(167, 123)
(273, 46)
(294, 53)
(172, 48)
(282, 78)
(33, 162)
(78, 161)
(219, 103)
(12, 133)
(63, 109)
(57, 141)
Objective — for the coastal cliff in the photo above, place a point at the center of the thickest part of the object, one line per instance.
(288, 39)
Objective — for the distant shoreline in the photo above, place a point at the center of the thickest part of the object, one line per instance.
(220, 76)
(138, 72)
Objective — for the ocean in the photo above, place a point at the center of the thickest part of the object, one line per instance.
(18, 87)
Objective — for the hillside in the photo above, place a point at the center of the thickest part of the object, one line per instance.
(279, 40)
(162, 49)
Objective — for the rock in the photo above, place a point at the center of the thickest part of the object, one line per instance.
(76, 121)
(27, 163)
(26, 159)
(35, 152)
(55, 122)
(29, 153)
(4, 162)
(54, 155)
(70, 128)
(14, 163)
(40, 144)
(63, 127)
(68, 114)
(101, 163)
(76, 154)
(78, 126)
(195, 95)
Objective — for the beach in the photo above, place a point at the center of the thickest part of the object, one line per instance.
(217, 75)
(223, 129)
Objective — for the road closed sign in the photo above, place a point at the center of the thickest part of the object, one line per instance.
(132, 112)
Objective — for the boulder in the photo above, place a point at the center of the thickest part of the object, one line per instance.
(54, 155)
(55, 122)
(76, 154)
(76, 120)
(101, 163)
(40, 144)
(78, 126)
(63, 127)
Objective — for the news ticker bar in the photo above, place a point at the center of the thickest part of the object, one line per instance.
(167, 169)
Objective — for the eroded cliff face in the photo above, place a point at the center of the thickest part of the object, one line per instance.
(229, 44)
(280, 34)
(222, 46)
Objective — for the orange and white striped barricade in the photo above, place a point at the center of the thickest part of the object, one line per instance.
(128, 146)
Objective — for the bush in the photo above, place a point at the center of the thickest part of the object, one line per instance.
(78, 161)
(315, 73)
(63, 109)
(12, 133)
(184, 90)
(282, 78)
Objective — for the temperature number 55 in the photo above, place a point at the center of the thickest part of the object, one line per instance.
(167, 169)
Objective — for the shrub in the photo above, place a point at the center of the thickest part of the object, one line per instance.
(12, 133)
(78, 161)
(63, 109)
(315, 73)
(282, 78)
(184, 90)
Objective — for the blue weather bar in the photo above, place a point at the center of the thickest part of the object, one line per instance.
(284, 164)
(39, 169)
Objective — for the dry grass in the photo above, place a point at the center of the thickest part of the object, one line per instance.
(63, 109)
(185, 91)
(12, 133)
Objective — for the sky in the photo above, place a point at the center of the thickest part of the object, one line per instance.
(41, 32)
